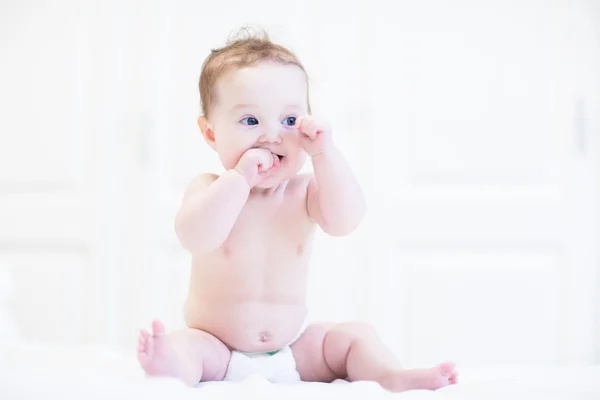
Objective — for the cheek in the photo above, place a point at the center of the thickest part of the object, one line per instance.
(297, 158)
(301, 159)
(294, 147)
(230, 148)
(292, 139)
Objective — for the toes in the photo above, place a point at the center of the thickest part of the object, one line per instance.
(158, 328)
(143, 335)
(447, 369)
(142, 340)
(146, 340)
(142, 345)
(149, 348)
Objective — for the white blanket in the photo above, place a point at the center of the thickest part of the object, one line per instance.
(41, 372)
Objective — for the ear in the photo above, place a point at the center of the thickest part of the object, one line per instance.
(207, 132)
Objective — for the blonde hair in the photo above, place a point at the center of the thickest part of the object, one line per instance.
(244, 50)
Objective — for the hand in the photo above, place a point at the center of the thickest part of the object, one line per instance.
(256, 165)
(315, 135)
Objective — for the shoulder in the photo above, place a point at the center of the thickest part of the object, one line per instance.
(297, 193)
(200, 183)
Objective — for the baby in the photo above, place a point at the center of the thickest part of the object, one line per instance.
(250, 231)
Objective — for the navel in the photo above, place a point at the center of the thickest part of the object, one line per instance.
(264, 336)
(300, 249)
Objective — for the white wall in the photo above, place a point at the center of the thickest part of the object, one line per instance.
(459, 119)
(595, 139)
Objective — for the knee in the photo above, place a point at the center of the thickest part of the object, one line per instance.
(354, 330)
(310, 355)
(314, 337)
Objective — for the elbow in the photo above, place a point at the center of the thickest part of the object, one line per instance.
(343, 226)
(345, 222)
(336, 230)
(182, 231)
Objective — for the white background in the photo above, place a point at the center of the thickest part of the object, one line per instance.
(472, 125)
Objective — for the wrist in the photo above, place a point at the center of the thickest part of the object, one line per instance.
(323, 154)
(243, 177)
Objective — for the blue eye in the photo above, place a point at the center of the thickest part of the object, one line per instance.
(290, 121)
(249, 121)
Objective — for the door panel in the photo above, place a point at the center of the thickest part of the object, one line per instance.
(63, 167)
(50, 304)
(45, 203)
(479, 181)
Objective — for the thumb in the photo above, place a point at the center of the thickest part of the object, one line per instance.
(265, 160)
(298, 124)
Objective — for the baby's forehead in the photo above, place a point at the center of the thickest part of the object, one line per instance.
(266, 83)
(264, 75)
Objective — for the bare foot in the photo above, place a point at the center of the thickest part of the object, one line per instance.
(156, 354)
(430, 378)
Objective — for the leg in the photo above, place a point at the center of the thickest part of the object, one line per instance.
(308, 354)
(353, 351)
(190, 354)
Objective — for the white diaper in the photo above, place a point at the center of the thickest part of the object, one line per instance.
(274, 366)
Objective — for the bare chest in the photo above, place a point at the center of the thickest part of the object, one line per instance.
(268, 229)
(265, 256)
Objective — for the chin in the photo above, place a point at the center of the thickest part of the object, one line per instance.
(270, 183)
(276, 180)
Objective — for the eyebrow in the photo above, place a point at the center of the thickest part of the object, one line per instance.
(247, 105)
(241, 106)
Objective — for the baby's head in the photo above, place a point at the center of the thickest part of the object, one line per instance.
(252, 90)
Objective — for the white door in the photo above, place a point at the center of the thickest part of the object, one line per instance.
(482, 175)
(62, 184)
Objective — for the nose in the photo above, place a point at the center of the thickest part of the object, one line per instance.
(270, 134)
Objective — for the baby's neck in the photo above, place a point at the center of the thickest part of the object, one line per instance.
(264, 192)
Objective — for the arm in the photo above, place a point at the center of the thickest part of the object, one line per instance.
(209, 210)
(334, 200)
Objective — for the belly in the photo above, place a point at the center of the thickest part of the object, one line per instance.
(248, 326)
(250, 306)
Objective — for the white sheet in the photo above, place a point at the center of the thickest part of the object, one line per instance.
(40, 372)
